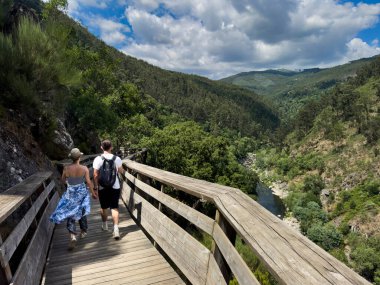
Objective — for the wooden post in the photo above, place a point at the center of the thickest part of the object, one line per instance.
(160, 209)
(5, 271)
(231, 235)
(159, 204)
(139, 177)
(35, 217)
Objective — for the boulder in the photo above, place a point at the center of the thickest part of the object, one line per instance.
(63, 141)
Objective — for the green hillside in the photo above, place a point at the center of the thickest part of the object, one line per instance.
(277, 83)
(291, 89)
(213, 103)
(326, 150)
(330, 162)
(52, 68)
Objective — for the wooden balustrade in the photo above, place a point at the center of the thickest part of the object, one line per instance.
(289, 256)
(25, 229)
(85, 160)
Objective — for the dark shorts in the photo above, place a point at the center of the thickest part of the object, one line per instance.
(109, 198)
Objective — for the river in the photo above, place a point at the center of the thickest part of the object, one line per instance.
(271, 202)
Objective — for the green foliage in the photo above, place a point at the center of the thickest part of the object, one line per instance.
(91, 114)
(366, 261)
(326, 236)
(328, 123)
(244, 145)
(313, 184)
(363, 200)
(51, 8)
(309, 215)
(186, 149)
(365, 256)
(34, 69)
(125, 101)
(262, 275)
(5, 6)
(131, 131)
(339, 254)
(304, 119)
(371, 129)
(286, 165)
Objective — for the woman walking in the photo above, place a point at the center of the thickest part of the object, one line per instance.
(75, 202)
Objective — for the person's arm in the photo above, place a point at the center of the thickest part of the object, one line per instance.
(120, 168)
(89, 183)
(96, 174)
(64, 176)
(96, 178)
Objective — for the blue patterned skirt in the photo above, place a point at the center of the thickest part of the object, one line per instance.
(74, 204)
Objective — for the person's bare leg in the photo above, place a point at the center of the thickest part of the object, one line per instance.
(115, 218)
(104, 214)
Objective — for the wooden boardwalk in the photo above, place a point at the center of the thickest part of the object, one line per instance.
(99, 259)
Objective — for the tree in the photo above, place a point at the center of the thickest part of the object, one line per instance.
(366, 261)
(313, 184)
(326, 236)
(53, 7)
(184, 148)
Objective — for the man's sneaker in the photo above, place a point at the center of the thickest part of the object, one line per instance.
(105, 226)
(72, 243)
(116, 234)
(83, 234)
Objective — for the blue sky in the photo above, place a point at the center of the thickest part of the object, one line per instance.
(217, 38)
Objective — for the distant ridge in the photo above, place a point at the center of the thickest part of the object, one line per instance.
(276, 82)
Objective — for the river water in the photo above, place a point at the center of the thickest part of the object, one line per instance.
(269, 201)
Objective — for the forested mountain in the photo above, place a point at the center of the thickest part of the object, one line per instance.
(330, 160)
(291, 89)
(55, 74)
(277, 83)
(213, 103)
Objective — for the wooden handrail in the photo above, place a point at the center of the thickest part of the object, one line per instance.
(288, 255)
(36, 195)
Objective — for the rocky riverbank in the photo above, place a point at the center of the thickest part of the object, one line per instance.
(278, 188)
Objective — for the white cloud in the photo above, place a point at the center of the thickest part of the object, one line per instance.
(111, 31)
(75, 6)
(220, 37)
(208, 35)
(359, 49)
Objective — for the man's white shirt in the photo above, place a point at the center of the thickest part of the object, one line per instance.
(98, 162)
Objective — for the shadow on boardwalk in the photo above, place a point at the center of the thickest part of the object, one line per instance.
(98, 258)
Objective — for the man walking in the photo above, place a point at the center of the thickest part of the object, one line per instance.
(106, 167)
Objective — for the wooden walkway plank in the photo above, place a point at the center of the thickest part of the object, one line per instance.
(99, 259)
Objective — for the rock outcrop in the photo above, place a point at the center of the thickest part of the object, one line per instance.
(20, 154)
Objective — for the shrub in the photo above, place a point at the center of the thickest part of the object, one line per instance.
(326, 236)
(313, 184)
(366, 261)
(309, 215)
(339, 254)
(371, 187)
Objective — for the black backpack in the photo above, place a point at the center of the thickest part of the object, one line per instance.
(107, 173)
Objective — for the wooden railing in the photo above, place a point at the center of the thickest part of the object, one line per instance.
(290, 257)
(25, 229)
(85, 160)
